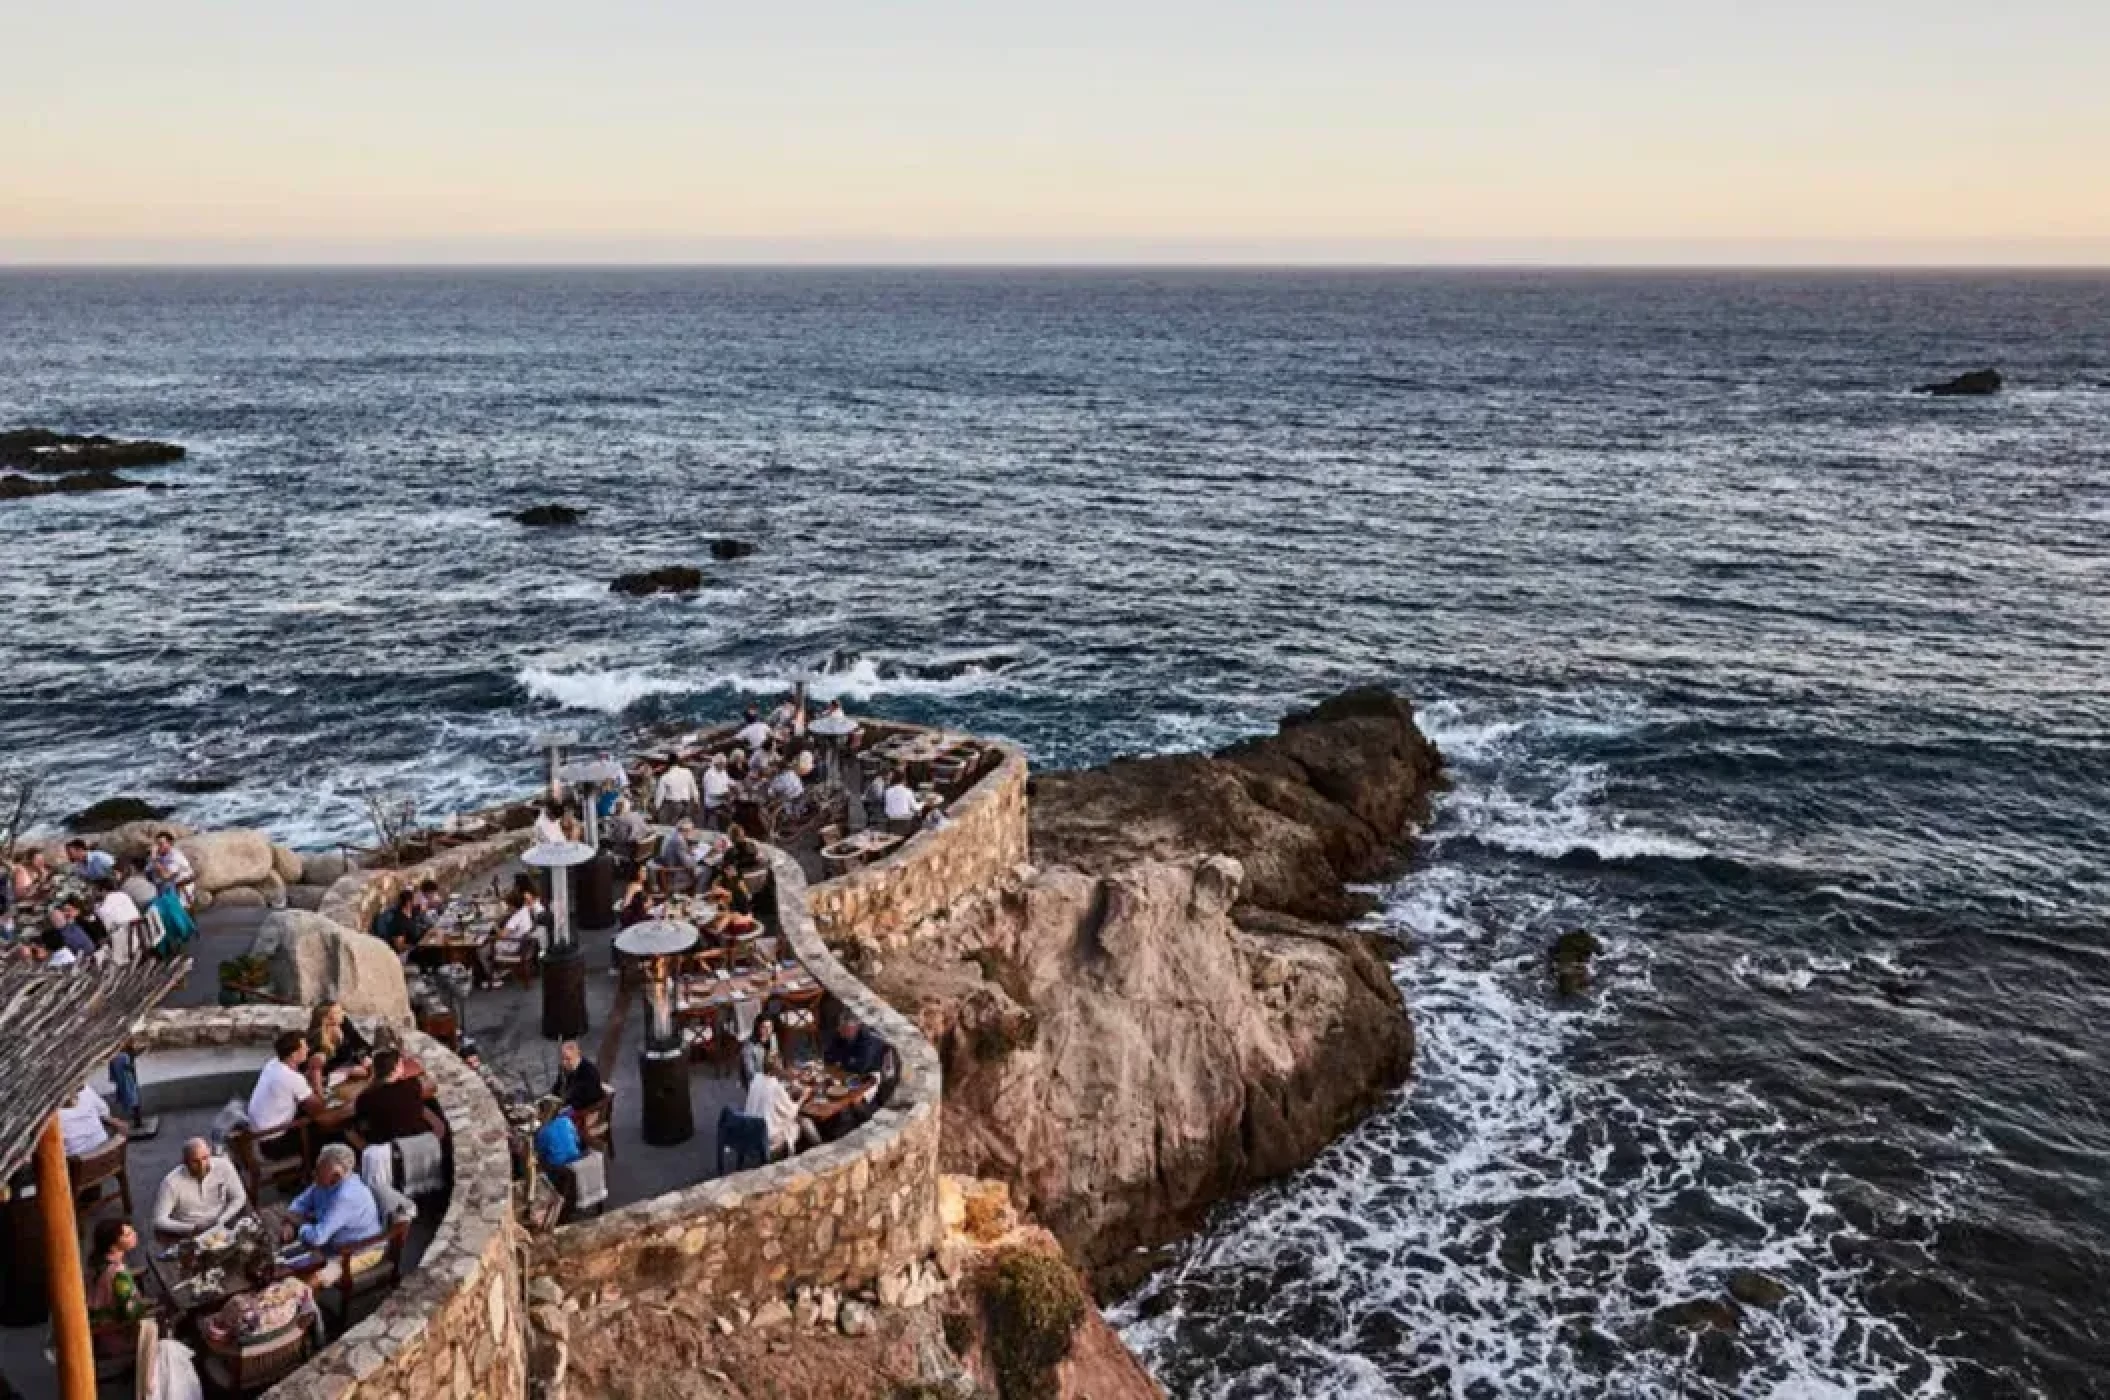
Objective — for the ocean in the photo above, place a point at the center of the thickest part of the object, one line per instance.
(1788, 684)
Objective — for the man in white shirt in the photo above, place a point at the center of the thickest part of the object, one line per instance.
(900, 799)
(770, 1101)
(203, 1192)
(787, 786)
(86, 1124)
(754, 733)
(675, 795)
(118, 913)
(170, 868)
(717, 785)
(282, 1090)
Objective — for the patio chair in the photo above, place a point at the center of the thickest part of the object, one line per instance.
(253, 1364)
(747, 1139)
(91, 1172)
(597, 1124)
(260, 1168)
(380, 1267)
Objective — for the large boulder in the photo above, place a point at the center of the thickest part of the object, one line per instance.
(315, 959)
(287, 864)
(224, 859)
(1125, 1054)
(323, 868)
(728, 548)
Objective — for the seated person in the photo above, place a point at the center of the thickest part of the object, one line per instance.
(397, 925)
(30, 875)
(855, 1048)
(677, 849)
(636, 904)
(549, 824)
(431, 903)
(787, 786)
(557, 1142)
(756, 1050)
(169, 868)
(578, 1082)
(96, 867)
(899, 801)
(202, 1192)
(335, 1047)
(118, 912)
(525, 927)
(67, 931)
(627, 825)
(741, 851)
(339, 1209)
(731, 886)
(769, 1100)
(116, 1304)
(283, 1093)
(393, 1105)
(87, 1123)
(267, 1308)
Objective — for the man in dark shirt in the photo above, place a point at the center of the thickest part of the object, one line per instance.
(397, 925)
(66, 931)
(578, 1082)
(394, 1105)
(855, 1048)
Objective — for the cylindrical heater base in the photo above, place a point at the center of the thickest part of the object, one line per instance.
(668, 1118)
(593, 892)
(564, 994)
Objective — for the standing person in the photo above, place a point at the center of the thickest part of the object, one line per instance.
(755, 733)
(717, 790)
(675, 796)
(170, 869)
(899, 801)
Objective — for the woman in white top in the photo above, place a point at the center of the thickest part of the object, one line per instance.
(769, 1100)
(900, 799)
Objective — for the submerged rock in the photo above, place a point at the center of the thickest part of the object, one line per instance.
(674, 578)
(114, 812)
(547, 515)
(1754, 1289)
(18, 488)
(731, 549)
(1975, 382)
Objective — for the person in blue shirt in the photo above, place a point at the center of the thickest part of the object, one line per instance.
(94, 866)
(557, 1141)
(339, 1209)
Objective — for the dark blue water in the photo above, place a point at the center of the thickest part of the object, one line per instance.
(1789, 684)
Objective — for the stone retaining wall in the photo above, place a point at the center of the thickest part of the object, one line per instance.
(933, 870)
(361, 894)
(842, 1214)
(454, 1327)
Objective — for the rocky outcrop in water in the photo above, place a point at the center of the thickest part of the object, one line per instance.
(1159, 1015)
(64, 464)
(731, 549)
(546, 516)
(48, 453)
(1572, 952)
(113, 812)
(674, 578)
(1974, 383)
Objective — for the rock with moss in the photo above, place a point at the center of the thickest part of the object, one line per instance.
(1034, 1304)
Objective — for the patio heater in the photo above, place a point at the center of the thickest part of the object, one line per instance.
(663, 1061)
(833, 731)
(595, 880)
(554, 742)
(564, 966)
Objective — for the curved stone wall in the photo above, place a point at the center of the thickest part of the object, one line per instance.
(933, 870)
(453, 1328)
(361, 894)
(839, 1214)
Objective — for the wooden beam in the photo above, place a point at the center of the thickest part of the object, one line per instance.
(62, 1268)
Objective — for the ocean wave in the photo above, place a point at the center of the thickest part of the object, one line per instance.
(1567, 823)
(608, 692)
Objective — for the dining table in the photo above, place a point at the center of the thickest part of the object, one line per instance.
(198, 1274)
(832, 1091)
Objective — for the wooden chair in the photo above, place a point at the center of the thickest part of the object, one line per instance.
(92, 1171)
(522, 960)
(241, 1368)
(597, 1124)
(745, 1138)
(354, 1284)
(798, 1016)
(259, 1169)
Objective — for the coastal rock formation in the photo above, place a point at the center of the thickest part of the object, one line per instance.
(45, 452)
(1160, 1015)
(114, 812)
(224, 859)
(323, 868)
(1572, 952)
(731, 549)
(62, 463)
(316, 959)
(286, 863)
(546, 516)
(674, 578)
(134, 840)
(1974, 383)
(1322, 802)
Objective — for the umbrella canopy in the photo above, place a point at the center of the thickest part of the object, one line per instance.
(557, 855)
(657, 938)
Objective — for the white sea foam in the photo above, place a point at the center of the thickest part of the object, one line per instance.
(609, 692)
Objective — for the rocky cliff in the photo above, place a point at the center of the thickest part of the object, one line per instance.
(1165, 1010)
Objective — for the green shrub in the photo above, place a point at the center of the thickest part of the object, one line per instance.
(1034, 1304)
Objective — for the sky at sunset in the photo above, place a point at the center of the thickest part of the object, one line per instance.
(1649, 131)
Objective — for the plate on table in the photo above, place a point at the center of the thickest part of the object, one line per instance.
(218, 1237)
